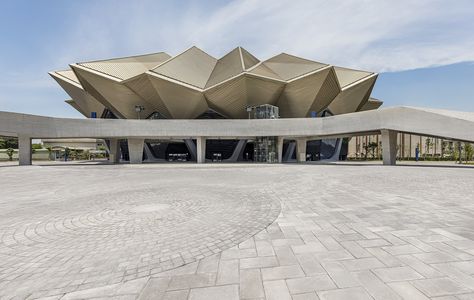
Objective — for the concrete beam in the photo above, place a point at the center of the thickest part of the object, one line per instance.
(24, 150)
(114, 151)
(428, 122)
(389, 146)
(300, 150)
(135, 150)
(201, 149)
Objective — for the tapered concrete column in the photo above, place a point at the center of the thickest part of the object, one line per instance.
(300, 150)
(135, 150)
(114, 151)
(191, 148)
(389, 146)
(280, 149)
(24, 150)
(201, 149)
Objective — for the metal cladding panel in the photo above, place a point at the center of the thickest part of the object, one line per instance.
(181, 102)
(113, 95)
(193, 67)
(82, 100)
(226, 67)
(328, 92)
(248, 59)
(289, 66)
(263, 91)
(371, 104)
(229, 98)
(351, 98)
(67, 74)
(263, 70)
(178, 87)
(234, 96)
(143, 87)
(298, 96)
(347, 76)
(78, 108)
(127, 67)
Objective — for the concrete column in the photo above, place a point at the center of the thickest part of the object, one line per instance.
(24, 150)
(191, 147)
(280, 149)
(135, 150)
(201, 149)
(300, 150)
(114, 151)
(389, 146)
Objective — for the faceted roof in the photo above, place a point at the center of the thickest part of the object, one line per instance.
(193, 82)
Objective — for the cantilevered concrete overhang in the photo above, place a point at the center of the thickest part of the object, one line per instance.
(389, 121)
(431, 122)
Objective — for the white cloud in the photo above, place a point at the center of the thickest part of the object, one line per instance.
(375, 35)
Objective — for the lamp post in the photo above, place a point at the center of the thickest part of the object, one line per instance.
(139, 109)
(249, 110)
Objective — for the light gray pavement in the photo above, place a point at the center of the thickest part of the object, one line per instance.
(343, 232)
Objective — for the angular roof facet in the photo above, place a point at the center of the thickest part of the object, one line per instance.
(193, 67)
(127, 67)
(189, 84)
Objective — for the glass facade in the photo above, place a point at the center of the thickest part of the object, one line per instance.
(265, 149)
(265, 111)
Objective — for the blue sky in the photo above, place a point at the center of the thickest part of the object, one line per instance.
(422, 49)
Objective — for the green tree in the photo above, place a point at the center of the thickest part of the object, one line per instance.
(372, 146)
(67, 151)
(468, 151)
(458, 152)
(11, 143)
(10, 153)
(428, 146)
(8, 142)
(50, 152)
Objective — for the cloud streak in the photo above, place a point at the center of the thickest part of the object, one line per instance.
(375, 35)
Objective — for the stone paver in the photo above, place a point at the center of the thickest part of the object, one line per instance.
(209, 232)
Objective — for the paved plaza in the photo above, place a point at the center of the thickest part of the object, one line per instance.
(236, 231)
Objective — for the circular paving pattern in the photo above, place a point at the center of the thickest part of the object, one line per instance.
(117, 236)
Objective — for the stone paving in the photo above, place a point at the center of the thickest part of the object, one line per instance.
(209, 232)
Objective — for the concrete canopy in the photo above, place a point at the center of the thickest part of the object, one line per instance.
(189, 84)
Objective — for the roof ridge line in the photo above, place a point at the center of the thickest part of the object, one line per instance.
(123, 57)
(359, 81)
(241, 58)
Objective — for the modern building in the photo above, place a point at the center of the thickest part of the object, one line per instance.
(196, 85)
